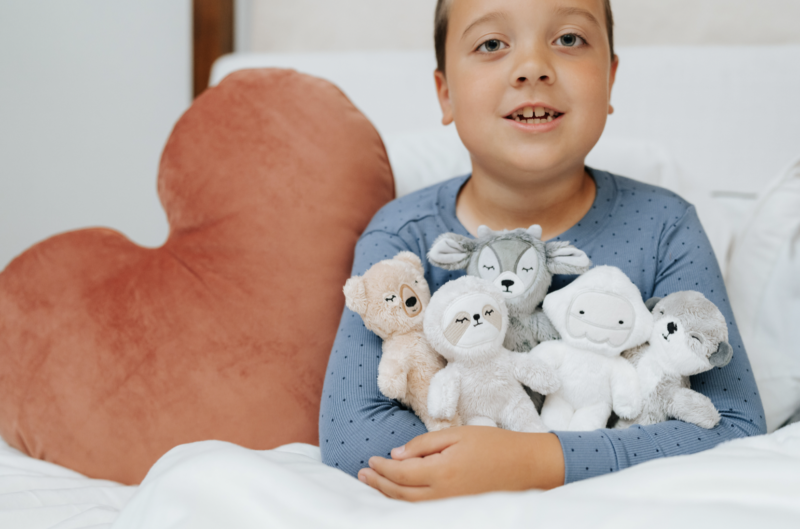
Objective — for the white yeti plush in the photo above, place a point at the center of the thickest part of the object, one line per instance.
(466, 322)
(690, 336)
(599, 315)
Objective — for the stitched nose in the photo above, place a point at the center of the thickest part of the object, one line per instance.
(476, 317)
(410, 302)
(671, 328)
(507, 282)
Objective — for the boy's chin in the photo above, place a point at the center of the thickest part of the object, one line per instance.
(523, 167)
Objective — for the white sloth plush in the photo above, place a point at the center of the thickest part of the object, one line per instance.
(689, 337)
(599, 315)
(466, 322)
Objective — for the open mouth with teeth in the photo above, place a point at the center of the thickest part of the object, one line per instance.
(534, 115)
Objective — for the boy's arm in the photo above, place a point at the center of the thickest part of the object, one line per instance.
(686, 262)
(356, 420)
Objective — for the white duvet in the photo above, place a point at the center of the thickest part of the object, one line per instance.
(748, 483)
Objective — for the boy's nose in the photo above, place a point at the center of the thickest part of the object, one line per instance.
(532, 65)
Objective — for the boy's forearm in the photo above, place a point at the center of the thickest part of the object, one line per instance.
(545, 460)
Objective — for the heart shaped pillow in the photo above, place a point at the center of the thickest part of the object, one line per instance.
(111, 354)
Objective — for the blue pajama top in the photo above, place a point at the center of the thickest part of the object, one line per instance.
(650, 233)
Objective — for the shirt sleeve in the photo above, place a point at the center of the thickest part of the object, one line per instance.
(686, 262)
(356, 420)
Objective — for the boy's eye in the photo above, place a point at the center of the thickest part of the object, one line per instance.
(570, 40)
(492, 45)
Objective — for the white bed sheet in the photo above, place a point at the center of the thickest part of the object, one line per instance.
(747, 483)
(39, 495)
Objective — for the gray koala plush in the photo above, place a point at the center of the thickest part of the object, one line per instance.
(522, 266)
(690, 336)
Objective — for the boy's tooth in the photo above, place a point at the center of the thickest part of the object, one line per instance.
(531, 120)
(537, 121)
(527, 112)
(539, 112)
(549, 119)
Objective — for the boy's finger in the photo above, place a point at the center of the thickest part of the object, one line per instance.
(391, 489)
(411, 472)
(426, 444)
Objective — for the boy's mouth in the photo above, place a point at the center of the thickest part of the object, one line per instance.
(534, 115)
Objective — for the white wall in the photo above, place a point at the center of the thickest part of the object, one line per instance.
(317, 25)
(89, 91)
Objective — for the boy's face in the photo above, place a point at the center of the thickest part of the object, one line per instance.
(504, 57)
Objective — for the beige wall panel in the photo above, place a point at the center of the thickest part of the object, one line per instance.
(317, 25)
(328, 25)
(701, 22)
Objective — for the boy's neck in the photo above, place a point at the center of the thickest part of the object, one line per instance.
(556, 204)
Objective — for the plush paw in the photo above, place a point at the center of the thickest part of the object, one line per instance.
(692, 407)
(438, 410)
(537, 375)
(628, 408)
(394, 387)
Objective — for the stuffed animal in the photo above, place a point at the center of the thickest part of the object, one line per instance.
(599, 315)
(391, 298)
(466, 322)
(521, 265)
(689, 337)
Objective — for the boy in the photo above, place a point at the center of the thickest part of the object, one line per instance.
(528, 84)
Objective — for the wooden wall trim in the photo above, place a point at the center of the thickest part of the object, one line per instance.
(213, 35)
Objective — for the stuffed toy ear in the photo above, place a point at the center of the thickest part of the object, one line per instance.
(535, 231)
(412, 259)
(355, 295)
(484, 231)
(722, 355)
(565, 259)
(651, 303)
(451, 251)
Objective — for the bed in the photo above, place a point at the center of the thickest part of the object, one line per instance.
(717, 125)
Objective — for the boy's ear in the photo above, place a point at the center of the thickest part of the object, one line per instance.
(443, 93)
(451, 251)
(412, 259)
(611, 79)
(355, 295)
(565, 259)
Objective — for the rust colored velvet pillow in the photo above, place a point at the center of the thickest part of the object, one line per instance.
(111, 354)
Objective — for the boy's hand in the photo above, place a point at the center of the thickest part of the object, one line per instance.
(467, 460)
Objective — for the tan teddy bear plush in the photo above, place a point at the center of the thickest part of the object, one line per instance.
(391, 298)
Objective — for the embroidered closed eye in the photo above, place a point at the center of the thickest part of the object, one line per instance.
(462, 320)
(488, 267)
(391, 299)
(488, 313)
(527, 269)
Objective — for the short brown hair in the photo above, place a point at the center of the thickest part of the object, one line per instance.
(442, 16)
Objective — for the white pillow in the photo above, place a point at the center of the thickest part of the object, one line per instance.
(764, 287)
